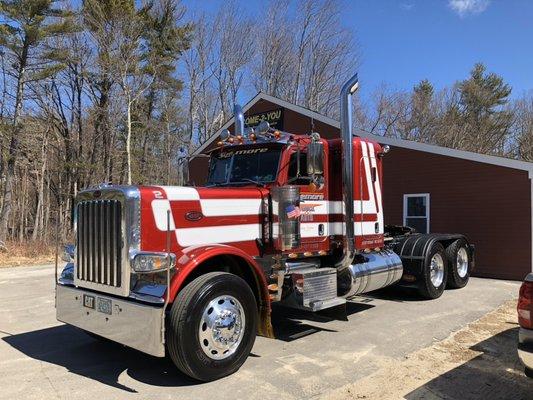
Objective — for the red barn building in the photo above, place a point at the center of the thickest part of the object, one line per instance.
(432, 188)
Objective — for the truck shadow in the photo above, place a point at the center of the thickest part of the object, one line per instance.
(292, 324)
(394, 293)
(106, 361)
(102, 361)
(494, 374)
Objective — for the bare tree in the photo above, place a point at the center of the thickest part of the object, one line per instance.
(234, 49)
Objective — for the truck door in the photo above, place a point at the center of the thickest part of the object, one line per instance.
(314, 205)
(368, 212)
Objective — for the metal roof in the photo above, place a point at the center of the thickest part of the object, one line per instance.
(408, 144)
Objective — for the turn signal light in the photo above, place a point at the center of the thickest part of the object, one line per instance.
(525, 305)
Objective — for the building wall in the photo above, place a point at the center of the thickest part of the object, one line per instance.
(488, 203)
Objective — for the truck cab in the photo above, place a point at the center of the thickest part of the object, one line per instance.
(288, 218)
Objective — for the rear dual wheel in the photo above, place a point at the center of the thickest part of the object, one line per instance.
(459, 263)
(434, 274)
(212, 326)
(443, 267)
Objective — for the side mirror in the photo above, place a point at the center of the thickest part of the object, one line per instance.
(315, 158)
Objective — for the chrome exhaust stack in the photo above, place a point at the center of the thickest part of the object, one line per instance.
(344, 276)
(239, 120)
(376, 270)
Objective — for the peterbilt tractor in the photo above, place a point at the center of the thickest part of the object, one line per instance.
(284, 218)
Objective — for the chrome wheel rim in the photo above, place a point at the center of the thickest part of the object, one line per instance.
(462, 262)
(221, 327)
(436, 270)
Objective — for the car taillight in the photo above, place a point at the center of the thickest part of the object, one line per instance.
(525, 305)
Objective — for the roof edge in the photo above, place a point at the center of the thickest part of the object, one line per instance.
(446, 151)
(408, 144)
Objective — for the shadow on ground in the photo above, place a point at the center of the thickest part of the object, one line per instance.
(105, 361)
(494, 374)
(100, 360)
(292, 324)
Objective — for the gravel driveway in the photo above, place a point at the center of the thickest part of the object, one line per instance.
(315, 355)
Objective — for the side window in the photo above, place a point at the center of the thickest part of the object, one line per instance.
(416, 211)
(293, 169)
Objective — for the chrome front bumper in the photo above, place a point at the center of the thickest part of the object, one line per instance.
(525, 347)
(132, 324)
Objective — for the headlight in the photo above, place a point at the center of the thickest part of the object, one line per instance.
(151, 262)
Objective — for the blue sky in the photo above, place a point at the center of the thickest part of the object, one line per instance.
(404, 41)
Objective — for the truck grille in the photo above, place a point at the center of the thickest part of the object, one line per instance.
(99, 242)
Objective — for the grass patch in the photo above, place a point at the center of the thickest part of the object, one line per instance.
(26, 253)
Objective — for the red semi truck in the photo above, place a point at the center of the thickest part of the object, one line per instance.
(193, 271)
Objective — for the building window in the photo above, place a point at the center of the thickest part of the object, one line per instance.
(416, 211)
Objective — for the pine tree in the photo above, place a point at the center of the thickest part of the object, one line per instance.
(482, 100)
(164, 42)
(422, 121)
(25, 28)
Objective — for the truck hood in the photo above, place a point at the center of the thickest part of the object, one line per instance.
(199, 216)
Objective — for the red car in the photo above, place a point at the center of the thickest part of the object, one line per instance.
(525, 319)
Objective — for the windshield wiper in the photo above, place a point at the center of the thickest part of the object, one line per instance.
(217, 184)
(243, 180)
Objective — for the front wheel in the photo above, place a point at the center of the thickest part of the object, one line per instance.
(434, 273)
(212, 326)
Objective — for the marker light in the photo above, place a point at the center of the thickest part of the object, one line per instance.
(354, 87)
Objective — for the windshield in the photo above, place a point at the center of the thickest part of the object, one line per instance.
(243, 166)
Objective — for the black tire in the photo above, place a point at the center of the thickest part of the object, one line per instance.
(528, 372)
(183, 341)
(426, 288)
(455, 280)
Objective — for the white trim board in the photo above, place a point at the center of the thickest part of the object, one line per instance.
(428, 209)
(407, 144)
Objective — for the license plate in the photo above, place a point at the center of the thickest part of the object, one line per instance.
(88, 301)
(104, 306)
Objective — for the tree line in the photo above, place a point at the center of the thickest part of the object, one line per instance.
(123, 91)
(475, 114)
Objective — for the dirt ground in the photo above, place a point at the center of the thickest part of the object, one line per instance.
(36, 253)
(476, 362)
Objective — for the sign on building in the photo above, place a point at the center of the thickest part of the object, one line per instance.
(273, 117)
